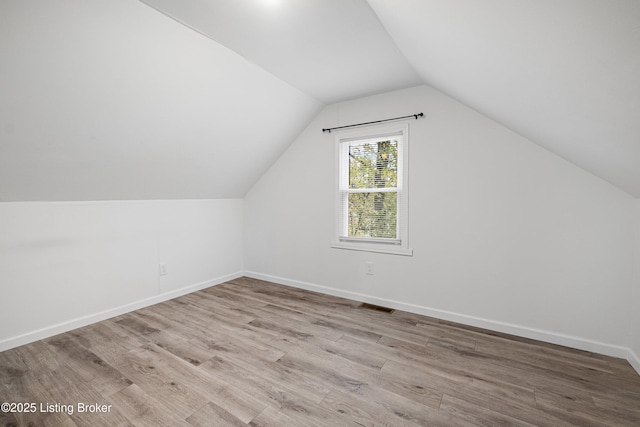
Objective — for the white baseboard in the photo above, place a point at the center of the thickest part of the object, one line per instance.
(79, 322)
(522, 331)
(507, 328)
(634, 361)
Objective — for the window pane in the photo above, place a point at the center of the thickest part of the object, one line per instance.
(372, 215)
(374, 164)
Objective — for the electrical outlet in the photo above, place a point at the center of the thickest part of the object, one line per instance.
(368, 268)
(162, 269)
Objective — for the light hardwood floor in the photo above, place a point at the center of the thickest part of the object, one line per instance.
(252, 352)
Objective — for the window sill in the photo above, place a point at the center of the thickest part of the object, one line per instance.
(377, 248)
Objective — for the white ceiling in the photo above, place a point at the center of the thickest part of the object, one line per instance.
(331, 50)
(113, 100)
(563, 73)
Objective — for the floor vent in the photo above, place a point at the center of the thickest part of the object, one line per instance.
(376, 307)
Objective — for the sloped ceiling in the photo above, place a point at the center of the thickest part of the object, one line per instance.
(563, 73)
(114, 100)
(111, 100)
(331, 50)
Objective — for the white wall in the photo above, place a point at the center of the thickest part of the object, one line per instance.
(635, 305)
(505, 234)
(65, 264)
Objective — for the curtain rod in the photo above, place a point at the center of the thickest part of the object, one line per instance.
(415, 116)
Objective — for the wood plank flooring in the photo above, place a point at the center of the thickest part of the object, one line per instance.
(249, 352)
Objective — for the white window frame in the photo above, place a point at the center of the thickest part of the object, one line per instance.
(399, 246)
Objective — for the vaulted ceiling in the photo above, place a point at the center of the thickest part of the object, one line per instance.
(563, 73)
(162, 99)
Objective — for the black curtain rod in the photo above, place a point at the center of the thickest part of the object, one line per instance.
(415, 116)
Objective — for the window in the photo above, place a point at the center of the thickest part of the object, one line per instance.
(372, 190)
